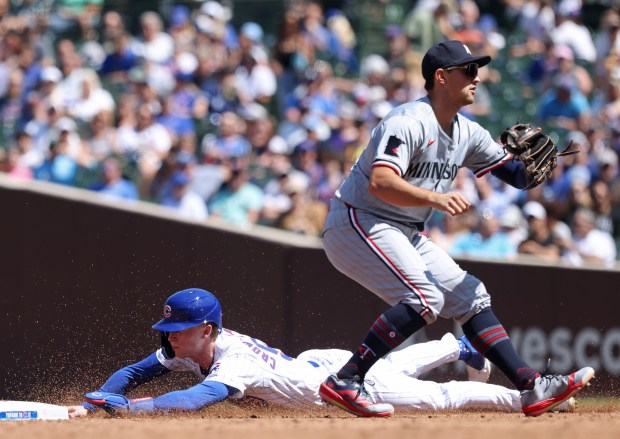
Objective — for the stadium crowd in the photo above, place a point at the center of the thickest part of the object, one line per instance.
(259, 126)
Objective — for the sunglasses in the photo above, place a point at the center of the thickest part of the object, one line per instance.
(471, 69)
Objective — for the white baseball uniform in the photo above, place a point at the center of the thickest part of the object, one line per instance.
(378, 244)
(257, 370)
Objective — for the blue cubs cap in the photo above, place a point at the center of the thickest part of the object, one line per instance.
(449, 54)
(188, 308)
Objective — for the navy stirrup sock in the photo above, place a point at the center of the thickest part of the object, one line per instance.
(386, 333)
(488, 336)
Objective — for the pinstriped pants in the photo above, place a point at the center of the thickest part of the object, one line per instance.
(399, 265)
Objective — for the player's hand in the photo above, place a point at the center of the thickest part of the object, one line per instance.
(77, 411)
(453, 203)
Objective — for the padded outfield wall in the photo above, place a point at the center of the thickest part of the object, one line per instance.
(83, 279)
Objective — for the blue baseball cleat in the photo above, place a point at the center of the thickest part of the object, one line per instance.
(478, 367)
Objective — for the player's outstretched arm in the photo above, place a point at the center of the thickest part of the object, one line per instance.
(192, 399)
(132, 376)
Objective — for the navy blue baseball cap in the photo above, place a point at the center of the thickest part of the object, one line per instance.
(449, 54)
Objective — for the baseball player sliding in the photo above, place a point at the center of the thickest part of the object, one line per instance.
(233, 365)
(372, 232)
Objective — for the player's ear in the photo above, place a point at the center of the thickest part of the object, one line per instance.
(440, 76)
(208, 330)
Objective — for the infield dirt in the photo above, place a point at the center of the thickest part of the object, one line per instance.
(229, 420)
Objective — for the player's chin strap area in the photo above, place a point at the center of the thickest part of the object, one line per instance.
(165, 344)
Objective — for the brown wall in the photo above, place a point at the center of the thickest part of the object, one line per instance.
(82, 283)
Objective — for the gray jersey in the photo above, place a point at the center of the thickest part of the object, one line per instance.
(410, 141)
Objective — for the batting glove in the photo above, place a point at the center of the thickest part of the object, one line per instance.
(114, 403)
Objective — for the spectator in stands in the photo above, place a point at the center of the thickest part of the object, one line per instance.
(540, 241)
(228, 143)
(12, 106)
(220, 93)
(183, 200)
(250, 35)
(154, 44)
(185, 98)
(468, 30)
(321, 98)
(101, 140)
(112, 26)
(28, 155)
(314, 29)
(564, 106)
(292, 55)
(220, 16)
(607, 44)
(75, 17)
(398, 46)
(513, 224)
(306, 215)
(429, 23)
(579, 195)
(603, 208)
(255, 80)
(260, 129)
(444, 230)
(487, 240)
(181, 28)
(114, 185)
(93, 100)
(306, 159)
(69, 88)
(119, 60)
(590, 245)
(571, 32)
(153, 142)
(536, 19)
(342, 43)
(238, 201)
(564, 66)
(607, 161)
(58, 167)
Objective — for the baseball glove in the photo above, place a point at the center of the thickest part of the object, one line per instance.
(534, 148)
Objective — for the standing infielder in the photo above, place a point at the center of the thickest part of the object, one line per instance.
(372, 232)
(232, 365)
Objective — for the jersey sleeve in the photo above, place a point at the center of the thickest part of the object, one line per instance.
(485, 154)
(396, 140)
(130, 377)
(194, 398)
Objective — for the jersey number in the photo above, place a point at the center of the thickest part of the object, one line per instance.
(263, 351)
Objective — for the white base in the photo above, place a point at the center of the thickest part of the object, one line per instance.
(30, 411)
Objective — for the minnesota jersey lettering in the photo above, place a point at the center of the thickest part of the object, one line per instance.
(434, 171)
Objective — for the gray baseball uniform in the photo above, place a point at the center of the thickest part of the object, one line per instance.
(378, 244)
